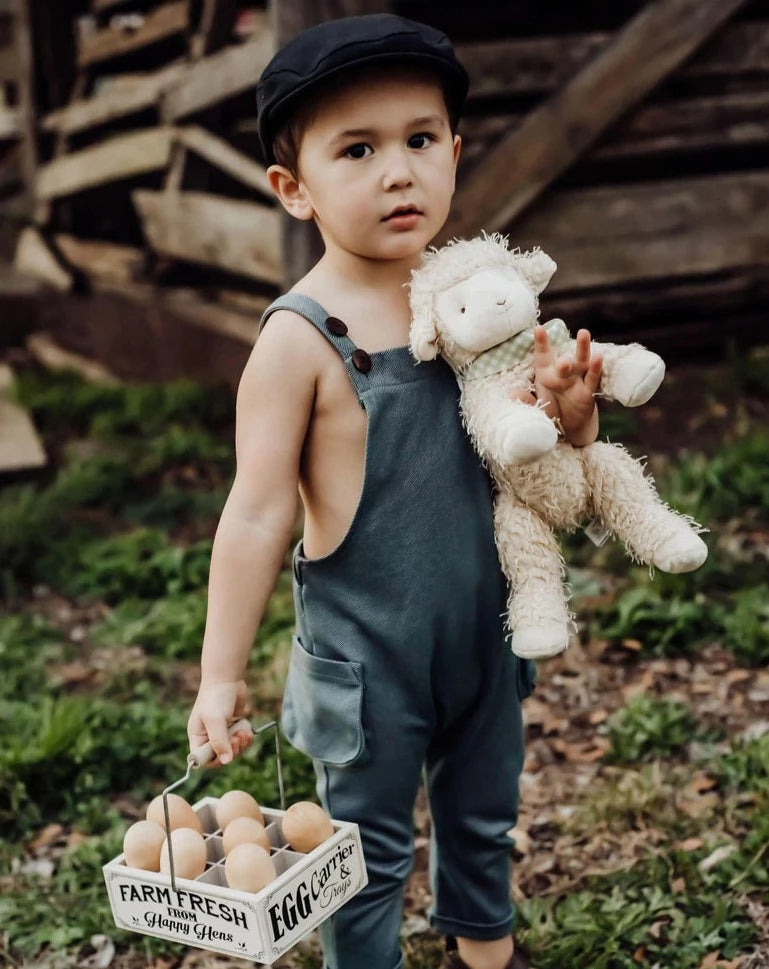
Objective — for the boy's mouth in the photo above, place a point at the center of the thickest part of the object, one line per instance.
(402, 210)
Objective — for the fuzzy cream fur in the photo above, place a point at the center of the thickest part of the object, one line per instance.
(470, 296)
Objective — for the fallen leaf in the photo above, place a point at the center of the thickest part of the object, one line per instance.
(581, 753)
(702, 782)
(689, 844)
(678, 885)
(717, 856)
(46, 836)
(638, 955)
(598, 716)
(710, 960)
(635, 644)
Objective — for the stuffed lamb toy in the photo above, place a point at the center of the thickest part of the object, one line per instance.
(475, 302)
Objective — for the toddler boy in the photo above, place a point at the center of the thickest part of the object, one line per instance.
(399, 664)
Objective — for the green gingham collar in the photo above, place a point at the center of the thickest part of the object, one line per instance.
(506, 355)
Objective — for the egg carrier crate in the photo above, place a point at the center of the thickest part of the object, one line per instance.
(204, 912)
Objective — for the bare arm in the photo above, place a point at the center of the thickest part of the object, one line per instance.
(274, 406)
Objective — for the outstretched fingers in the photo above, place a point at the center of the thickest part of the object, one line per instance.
(592, 378)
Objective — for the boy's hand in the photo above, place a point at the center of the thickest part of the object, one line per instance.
(216, 706)
(567, 385)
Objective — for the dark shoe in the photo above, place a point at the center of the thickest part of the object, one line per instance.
(519, 960)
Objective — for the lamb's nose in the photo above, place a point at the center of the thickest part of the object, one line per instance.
(501, 302)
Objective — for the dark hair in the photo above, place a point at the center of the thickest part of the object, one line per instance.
(289, 134)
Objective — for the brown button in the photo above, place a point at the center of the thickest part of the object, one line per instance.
(361, 361)
(337, 327)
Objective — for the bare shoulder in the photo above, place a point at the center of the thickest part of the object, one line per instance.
(288, 354)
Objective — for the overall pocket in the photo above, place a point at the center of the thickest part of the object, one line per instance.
(323, 707)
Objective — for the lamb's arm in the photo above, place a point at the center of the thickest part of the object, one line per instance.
(631, 373)
(504, 430)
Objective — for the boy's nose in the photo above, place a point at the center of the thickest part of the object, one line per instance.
(397, 173)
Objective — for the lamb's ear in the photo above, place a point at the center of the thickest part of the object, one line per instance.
(537, 269)
(423, 337)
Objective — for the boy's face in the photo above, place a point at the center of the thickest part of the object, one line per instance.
(380, 146)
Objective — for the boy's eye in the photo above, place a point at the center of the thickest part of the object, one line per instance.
(421, 140)
(359, 150)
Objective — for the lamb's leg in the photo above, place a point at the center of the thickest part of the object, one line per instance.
(537, 614)
(628, 504)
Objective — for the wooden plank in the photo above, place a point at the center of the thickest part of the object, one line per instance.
(20, 447)
(25, 94)
(9, 64)
(116, 103)
(555, 134)
(216, 231)
(217, 77)
(224, 156)
(217, 24)
(536, 65)
(102, 260)
(119, 157)
(656, 128)
(622, 234)
(10, 128)
(99, 6)
(34, 258)
(165, 21)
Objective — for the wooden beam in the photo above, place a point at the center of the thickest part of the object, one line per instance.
(215, 231)
(228, 159)
(217, 77)
(9, 124)
(9, 64)
(664, 127)
(555, 134)
(108, 161)
(99, 6)
(165, 21)
(34, 258)
(217, 23)
(20, 446)
(117, 103)
(102, 260)
(26, 97)
(536, 65)
(623, 234)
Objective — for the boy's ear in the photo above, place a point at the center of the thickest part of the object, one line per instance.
(291, 192)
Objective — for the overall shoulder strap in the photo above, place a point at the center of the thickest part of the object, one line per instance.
(357, 362)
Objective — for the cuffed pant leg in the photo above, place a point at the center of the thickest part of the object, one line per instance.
(472, 773)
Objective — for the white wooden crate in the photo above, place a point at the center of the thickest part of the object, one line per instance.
(207, 914)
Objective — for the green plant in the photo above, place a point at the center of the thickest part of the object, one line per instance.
(648, 727)
(664, 624)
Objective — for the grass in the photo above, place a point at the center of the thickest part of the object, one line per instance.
(94, 697)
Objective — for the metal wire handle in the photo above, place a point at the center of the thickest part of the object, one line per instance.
(203, 755)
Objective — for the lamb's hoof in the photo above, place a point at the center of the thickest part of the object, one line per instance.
(540, 641)
(681, 552)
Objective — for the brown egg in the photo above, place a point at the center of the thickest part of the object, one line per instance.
(249, 868)
(189, 853)
(142, 843)
(237, 804)
(180, 812)
(306, 825)
(244, 831)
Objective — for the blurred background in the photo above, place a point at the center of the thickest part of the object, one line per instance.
(139, 244)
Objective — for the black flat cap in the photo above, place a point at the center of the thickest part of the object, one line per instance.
(331, 48)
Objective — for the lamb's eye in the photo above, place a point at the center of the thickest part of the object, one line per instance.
(461, 309)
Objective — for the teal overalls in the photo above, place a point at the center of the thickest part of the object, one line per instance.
(400, 664)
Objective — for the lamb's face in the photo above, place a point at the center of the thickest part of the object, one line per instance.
(484, 310)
